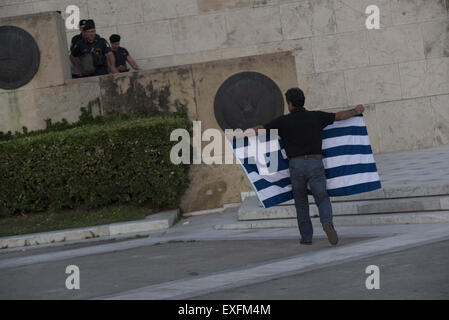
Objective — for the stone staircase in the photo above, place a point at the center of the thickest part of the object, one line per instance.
(415, 190)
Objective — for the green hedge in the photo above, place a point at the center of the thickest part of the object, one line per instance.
(86, 118)
(92, 166)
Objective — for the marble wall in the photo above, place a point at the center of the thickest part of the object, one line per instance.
(401, 71)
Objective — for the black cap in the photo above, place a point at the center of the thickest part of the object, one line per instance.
(114, 38)
(83, 22)
(90, 24)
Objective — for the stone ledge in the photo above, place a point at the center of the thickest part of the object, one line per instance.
(209, 211)
(157, 222)
(250, 209)
(375, 219)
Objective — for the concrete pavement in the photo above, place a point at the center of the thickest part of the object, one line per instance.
(193, 259)
(199, 259)
(417, 273)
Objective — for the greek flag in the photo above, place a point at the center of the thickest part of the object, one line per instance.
(347, 157)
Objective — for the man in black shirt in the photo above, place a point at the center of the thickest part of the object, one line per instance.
(302, 134)
(121, 55)
(75, 39)
(79, 36)
(94, 53)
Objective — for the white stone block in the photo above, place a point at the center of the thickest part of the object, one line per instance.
(116, 12)
(440, 107)
(436, 38)
(340, 52)
(137, 227)
(204, 32)
(307, 18)
(253, 26)
(406, 11)
(147, 40)
(206, 6)
(168, 9)
(301, 48)
(425, 77)
(16, 10)
(373, 84)
(325, 90)
(395, 44)
(405, 124)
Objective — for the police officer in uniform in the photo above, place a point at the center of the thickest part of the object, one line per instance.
(122, 55)
(79, 36)
(75, 39)
(94, 53)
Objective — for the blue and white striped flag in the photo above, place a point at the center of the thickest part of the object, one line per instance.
(347, 157)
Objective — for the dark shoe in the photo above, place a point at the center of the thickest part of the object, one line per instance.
(331, 233)
(305, 242)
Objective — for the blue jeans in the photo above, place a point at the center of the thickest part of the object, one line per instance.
(309, 171)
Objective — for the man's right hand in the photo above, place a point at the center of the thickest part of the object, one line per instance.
(359, 109)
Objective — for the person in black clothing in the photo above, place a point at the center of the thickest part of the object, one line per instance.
(75, 39)
(94, 54)
(121, 55)
(79, 36)
(302, 134)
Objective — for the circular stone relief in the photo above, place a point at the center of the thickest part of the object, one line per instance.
(19, 57)
(247, 99)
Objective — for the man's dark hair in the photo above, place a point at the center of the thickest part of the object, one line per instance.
(296, 97)
(90, 24)
(114, 38)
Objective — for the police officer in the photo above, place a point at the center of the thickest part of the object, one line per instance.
(79, 36)
(75, 39)
(94, 53)
(122, 55)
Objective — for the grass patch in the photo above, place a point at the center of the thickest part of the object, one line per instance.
(70, 219)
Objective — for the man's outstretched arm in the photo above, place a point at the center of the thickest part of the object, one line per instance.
(344, 115)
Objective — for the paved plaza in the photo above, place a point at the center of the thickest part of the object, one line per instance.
(196, 260)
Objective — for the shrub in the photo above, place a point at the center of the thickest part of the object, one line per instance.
(90, 166)
(86, 118)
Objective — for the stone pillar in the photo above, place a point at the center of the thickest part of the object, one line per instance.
(18, 107)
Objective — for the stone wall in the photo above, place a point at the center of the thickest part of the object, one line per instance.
(193, 86)
(400, 71)
(18, 107)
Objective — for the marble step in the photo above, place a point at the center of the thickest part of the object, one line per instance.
(360, 220)
(387, 192)
(251, 209)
